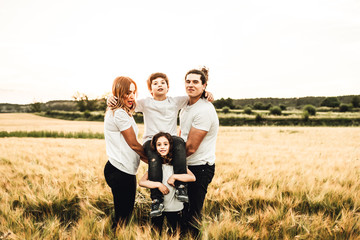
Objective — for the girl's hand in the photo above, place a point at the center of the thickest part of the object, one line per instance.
(171, 180)
(163, 189)
(111, 101)
(209, 96)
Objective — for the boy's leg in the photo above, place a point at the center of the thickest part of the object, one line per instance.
(154, 170)
(179, 164)
(155, 174)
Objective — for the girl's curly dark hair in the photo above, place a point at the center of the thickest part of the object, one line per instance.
(168, 157)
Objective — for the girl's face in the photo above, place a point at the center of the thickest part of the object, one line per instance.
(130, 97)
(162, 146)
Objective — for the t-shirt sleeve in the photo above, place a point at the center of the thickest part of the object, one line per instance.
(181, 101)
(122, 120)
(140, 104)
(202, 120)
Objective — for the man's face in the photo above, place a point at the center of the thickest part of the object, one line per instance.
(193, 85)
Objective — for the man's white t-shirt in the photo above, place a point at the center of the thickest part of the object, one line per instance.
(160, 116)
(120, 154)
(201, 115)
(171, 203)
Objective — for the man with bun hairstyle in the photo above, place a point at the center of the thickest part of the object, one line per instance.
(199, 126)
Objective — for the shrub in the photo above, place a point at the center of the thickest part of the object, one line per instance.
(87, 114)
(275, 110)
(248, 110)
(345, 107)
(306, 115)
(282, 106)
(258, 106)
(310, 109)
(225, 109)
(258, 118)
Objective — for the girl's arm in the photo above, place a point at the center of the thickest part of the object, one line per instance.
(185, 177)
(145, 182)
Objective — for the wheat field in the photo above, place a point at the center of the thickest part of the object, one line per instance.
(270, 183)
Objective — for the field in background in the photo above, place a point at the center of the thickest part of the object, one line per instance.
(270, 183)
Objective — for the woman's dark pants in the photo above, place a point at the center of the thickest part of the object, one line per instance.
(123, 188)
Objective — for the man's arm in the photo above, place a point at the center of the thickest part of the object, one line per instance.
(194, 139)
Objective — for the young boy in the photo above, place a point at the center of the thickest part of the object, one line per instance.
(160, 115)
(162, 143)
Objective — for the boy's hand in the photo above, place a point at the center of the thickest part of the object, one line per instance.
(163, 189)
(171, 180)
(111, 101)
(209, 96)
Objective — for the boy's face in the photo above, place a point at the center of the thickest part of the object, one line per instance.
(162, 146)
(159, 87)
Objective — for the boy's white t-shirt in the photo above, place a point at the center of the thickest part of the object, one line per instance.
(160, 116)
(171, 203)
(201, 115)
(119, 153)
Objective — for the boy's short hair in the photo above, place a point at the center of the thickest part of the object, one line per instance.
(155, 76)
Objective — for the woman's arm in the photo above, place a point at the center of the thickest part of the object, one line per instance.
(145, 182)
(131, 140)
(185, 177)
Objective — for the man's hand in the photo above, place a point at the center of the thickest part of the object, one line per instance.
(111, 101)
(209, 96)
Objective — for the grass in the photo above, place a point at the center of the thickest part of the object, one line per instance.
(51, 134)
(270, 183)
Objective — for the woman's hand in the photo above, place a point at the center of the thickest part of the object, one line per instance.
(171, 180)
(111, 101)
(163, 189)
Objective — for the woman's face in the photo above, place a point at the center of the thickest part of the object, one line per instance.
(162, 146)
(129, 99)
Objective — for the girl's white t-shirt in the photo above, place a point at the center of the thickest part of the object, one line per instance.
(171, 203)
(160, 116)
(119, 153)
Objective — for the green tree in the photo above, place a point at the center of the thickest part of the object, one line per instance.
(330, 102)
(310, 109)
(36, 107)
(355, 101)
(226, 109)
(275, 110)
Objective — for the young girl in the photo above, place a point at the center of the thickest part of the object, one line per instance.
(162, 143)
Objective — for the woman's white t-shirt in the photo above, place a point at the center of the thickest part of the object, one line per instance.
(119, 153)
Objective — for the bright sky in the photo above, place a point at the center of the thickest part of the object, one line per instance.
(51, 49)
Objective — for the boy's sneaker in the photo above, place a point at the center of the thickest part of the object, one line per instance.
(156, 208)
(181, 193)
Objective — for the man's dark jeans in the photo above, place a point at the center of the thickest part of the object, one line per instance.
(155, 164)
(197, 191)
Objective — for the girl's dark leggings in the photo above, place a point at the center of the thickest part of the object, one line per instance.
(123, 188)
(155, 164)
